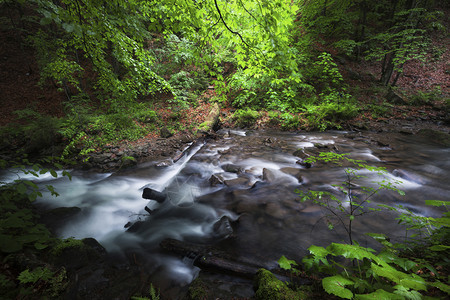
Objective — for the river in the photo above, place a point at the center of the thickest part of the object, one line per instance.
(250, 177)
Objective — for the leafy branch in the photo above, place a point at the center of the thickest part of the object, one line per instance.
(337, 207)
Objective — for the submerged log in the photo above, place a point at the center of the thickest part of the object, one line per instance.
(207, 257)
(215, 260)
(227, 266)
(152, 194)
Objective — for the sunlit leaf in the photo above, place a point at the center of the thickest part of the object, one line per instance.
(336, 285)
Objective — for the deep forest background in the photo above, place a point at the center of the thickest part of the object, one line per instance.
(79, 75)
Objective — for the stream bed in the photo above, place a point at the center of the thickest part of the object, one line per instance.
(249, 179)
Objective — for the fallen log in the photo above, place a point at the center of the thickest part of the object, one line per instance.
(192, 145)
(210, 258)
(226, 266)
(151, 194)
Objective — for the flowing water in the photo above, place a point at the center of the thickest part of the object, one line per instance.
(251, 178)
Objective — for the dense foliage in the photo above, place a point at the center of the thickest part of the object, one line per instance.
(114, 60)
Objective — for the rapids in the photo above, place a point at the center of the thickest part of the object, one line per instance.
(250, 177)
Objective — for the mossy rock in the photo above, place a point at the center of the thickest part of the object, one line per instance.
(211, 120)
(75, 254)
(268, 287)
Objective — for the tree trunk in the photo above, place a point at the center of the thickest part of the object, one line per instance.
(397, 76)
(362, 24)
(387, 69)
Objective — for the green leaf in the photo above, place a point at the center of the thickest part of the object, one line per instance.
(65, 173)
(336, 285)
(388, 272)
(442, 286)
(381, 238)
(285, 263)
(40, 246)
(437, 203)
(68, 27)
(51, 189)
(439, 248)
(414, 282)
(21, 188)
(31, 184)
(53, 173)
(24, 239)
(351, 251)
(13, 221)
(407, 293)
(379, 295)
(318, 251)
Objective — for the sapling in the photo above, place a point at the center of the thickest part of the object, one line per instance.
(372, 275)
(354, 204)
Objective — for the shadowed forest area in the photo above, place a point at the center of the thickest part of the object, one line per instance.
(106, 86)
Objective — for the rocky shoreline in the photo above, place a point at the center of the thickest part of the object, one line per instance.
(166, 150)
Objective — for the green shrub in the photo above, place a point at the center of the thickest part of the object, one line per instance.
(18, 228)
(38, 132)
(380, 110)
(85, 131)
(290, 121)
(43, 281)
(245, 118)
(325, 74)
(334, 108)
(274, 117)
(425, 98)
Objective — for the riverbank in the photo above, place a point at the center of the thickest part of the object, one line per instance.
(407, 121)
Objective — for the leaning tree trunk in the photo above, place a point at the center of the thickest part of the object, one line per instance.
(388, 69)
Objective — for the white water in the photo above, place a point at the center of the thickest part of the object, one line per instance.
(271, 220)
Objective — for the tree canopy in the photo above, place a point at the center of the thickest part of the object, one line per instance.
(278, 55)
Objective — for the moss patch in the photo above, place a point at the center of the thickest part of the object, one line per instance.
(268, 287)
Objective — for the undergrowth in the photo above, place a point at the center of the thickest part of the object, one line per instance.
(414, 269)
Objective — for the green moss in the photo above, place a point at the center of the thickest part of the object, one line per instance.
(205, 126)
(268, 287)
(198, 290)
(69, 243)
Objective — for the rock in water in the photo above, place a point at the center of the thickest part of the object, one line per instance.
(215, 180)
(269, 175)
(222, 228)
